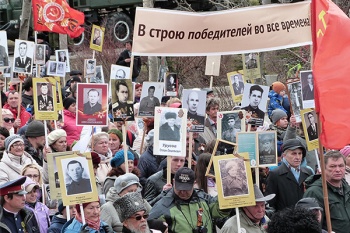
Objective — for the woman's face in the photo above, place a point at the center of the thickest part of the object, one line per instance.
(17, 148)
(114, 142)
(72, 108)
(130, 165)
(101, 147)
(10, 121)
(60, 145)
(92, 211)
(32, 196)
(33, 174)
(138, 92)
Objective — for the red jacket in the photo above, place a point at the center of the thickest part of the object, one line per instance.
(70, 126)
(25, 116)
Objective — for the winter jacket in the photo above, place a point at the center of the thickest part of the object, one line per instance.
(282, 182)
(24, 115)
(230, 225)
(37, 154)
(74, 226)
(154, 186)
(11, 166)
(276, 102)
(181, 216)
(148, 165)
(73, 131)
(7, 226)
(41, 213)
(57, 224)
(104, 166)
(339, 203)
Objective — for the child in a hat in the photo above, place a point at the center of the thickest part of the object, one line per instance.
(277, 97)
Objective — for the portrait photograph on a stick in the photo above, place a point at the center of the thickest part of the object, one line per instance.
(234, 180)
(89, 67)
(310, 127)
(4, 55)
(99, 77)
(40, 54)
(44, 97)
(97, 37)
(295, 99)
(254, 102)
(229, 124)
(251, 66)
(247, 142)
(92, 104)
(23, 56)
(63, 56)
(77, 179)
(122, 106)
(120, 72)
(171, 84)
(194, 101)
(267, 142)
(151, 95)
(307, 83)
(236, 82)
(170, 131)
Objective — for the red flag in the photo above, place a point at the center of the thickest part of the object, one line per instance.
(331, 70)
(57, 16)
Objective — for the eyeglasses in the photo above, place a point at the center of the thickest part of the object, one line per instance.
(7, 120)
(18, 145)
(139, 217)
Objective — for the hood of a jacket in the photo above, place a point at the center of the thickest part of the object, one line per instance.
(58, 219)
(112, 195)
(314, 180)
(272, 94)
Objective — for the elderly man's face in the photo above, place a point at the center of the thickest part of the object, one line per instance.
(183, 194)
(294, 157)
(135, 225)
(171, 122)
(193, 101)
(256, 212)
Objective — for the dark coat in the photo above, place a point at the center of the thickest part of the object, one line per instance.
(311, 133)
(7, 223)
(22, 67)
(154, 186)
(137, 63)
(148, 165)
(83, 186)
(42, 105)
(308, 94)
(256, 112)
(91, 110)
(282, 182)
(166, 133)
(56, 224)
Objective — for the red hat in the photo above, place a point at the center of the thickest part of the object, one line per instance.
(278, 87)
(14, 186)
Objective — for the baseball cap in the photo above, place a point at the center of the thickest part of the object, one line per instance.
(309, 203)
(184, 179)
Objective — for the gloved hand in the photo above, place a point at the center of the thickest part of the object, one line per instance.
(108, 229)
(83, 229)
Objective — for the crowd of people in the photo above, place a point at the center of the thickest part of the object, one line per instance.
(288, 198)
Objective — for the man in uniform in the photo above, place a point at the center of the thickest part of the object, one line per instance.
(235, 183)
(15, 218)
(122, 106)
(230, 133)
(255, 95)
(193, 102)
(79, 184)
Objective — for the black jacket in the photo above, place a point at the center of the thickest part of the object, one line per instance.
(6, 225)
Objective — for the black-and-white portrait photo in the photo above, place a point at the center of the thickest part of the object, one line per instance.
(77, 176)
(151, 95)
(45, 100)
(254, 101)
(230, 126)
(97, 36)
(63, 56)
(52, 68)
(311, 125)
(234, 177)
(251, 62)
(171, 82)
(169, 129)
(307, 82)
(120, 72)
(237, 84)
(24, 51)
(40, 54)
(295, 99)
(195, 102)
(61, 69)
(90, 66)
(122, 99)
(4, 58)
(92, 101)
(99, 77)
(267, 148)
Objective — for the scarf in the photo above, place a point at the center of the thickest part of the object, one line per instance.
(91, 224)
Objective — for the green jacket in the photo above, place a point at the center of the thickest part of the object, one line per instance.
(339, 205)
(181, 215)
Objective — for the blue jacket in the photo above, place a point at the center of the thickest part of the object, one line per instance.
(74, 226)
(275, 102)
(56, 224)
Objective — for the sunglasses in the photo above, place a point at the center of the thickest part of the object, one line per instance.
(139, 217)
(7, 120)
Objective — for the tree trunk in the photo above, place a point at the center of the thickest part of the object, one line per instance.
(152, 61)
(25, 19)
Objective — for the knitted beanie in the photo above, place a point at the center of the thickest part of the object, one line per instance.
(55, 135)
(278, 87)
(277, 114)
(345, 151)
(12, 139)
(118, 133)
(118, 158)
(128, 205)
(35, 129)
(68, 102)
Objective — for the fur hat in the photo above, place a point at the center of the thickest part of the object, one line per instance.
(12, 139)
(277, 114)
(118, 158)
(126, 180)
(128, 205)
(278, 87)
(55, 135)
(35, 129)
(169, 115)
